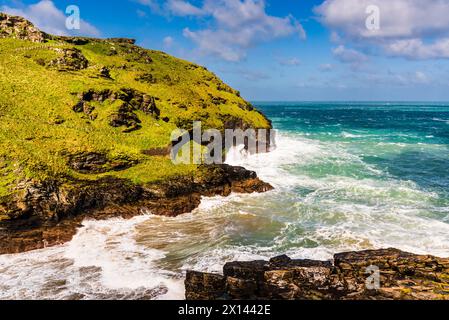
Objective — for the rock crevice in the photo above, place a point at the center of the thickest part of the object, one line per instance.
(367, 275)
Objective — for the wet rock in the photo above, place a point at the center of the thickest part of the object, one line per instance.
(204, 286)
(401, 276)
(48, 213)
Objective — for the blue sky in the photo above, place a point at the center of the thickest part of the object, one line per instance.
(282, 49)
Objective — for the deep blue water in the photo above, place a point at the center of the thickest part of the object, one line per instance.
(418, 133)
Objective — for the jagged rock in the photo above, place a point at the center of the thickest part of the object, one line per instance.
(20, 28)
(125, 119)
(401, 276)
(148, 106)
(105, 73)
(204, 286)
(48, 213)
(93, 162)
(125, 116)
(122, 40)
(136, 54)
(217, 100)
(77, 41)
(146, 78)
(69, 60)
(99, 96)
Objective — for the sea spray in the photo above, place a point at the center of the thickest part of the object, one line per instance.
(342, 182)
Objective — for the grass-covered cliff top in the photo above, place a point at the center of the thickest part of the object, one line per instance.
(62, 98)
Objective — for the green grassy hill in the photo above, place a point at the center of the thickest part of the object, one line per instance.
(109, 101)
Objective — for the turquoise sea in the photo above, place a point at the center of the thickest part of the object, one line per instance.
(347, 176)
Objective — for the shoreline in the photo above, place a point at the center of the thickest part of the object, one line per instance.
(387, 274)
(115, 198)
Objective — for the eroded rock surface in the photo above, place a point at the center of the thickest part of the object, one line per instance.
(94, 162)
(46, 214)
(20, 28)
(70, 59)
(350, 276)
(125, 116)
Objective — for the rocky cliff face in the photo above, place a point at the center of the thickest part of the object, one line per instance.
(350, 276)
(50, 213)
(95, 138)
(20, 28)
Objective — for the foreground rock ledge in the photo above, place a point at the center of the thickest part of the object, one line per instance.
(403, 276)
(49, 213)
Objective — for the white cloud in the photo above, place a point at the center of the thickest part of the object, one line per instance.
(290, 62)
(183, 8)
(417, 49)
(168, 42)
(152, 4)
(50, 19)
(236, 25)
(326, 67)
(350, 56)
(405, 25)
(389, 78)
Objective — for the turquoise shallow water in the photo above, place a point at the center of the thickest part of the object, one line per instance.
(406, 141)
(347, 176)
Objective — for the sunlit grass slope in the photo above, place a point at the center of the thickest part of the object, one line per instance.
(39, 127)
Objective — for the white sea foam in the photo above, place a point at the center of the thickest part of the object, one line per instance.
(102, 261)
(307, 216)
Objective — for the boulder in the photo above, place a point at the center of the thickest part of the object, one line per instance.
(20, 28)
(48, 213)
(350, 276)
(70, 59)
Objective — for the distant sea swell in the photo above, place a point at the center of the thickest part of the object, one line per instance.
(348, 176)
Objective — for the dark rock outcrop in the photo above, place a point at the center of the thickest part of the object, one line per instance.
(94, 162)
(146, 78)
(46, 214)
(351, 276)
(122, 40)
(105, 73)
(70, 59)
(20, 28)
(125, 115)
